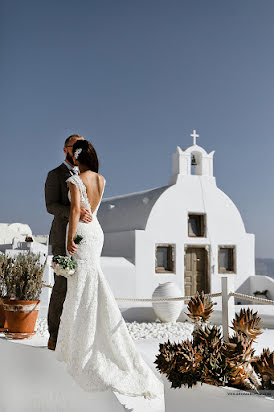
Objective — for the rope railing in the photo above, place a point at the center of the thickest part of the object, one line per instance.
(166, 299)
(254, 298)
(178, 298)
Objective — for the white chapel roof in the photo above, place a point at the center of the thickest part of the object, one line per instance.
(129, 211)
(197, 148)
(9, 231)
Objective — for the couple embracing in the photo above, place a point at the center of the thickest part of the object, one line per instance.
(87, 330)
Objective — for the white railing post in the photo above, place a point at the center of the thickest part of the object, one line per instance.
(228, 310)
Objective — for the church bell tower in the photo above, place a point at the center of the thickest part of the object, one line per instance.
(194, 161)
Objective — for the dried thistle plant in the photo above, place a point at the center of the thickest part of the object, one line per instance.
(181, 362)
(208, 358)
(200, 308)
(247, 323)
(240, 355)
(264, 366)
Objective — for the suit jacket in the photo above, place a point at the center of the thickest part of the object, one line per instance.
(58, 204)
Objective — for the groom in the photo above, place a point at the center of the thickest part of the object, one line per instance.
(57, 203)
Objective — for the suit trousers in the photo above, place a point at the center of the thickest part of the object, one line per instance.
(58, 296)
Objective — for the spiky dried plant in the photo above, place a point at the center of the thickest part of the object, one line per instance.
(215, 369)
(200, 308)
(238, 348)
(264, 366)
(239, 353)
(210, 338)
(238, 376)
(187, 363)
(247, 323)
(181, 362)
(211, 360)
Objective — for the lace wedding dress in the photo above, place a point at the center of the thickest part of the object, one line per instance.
(93, 339)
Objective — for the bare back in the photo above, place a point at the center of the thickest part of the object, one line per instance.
(94, 183)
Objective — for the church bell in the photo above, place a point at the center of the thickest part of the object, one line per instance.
(193, 161)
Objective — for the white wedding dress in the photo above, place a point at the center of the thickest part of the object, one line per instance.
(93, 338)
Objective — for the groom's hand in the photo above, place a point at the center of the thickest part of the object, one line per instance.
(85, 215)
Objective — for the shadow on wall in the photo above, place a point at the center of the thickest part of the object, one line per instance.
(5, 246)
(245, 288)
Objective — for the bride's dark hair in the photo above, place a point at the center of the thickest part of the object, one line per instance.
(88, 155)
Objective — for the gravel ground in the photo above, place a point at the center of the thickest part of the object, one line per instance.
(144, 330)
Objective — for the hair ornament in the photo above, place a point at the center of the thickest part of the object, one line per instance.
(77, 152)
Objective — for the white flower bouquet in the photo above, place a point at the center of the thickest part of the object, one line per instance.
(65, 265)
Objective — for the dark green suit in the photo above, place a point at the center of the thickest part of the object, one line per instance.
(57, 203)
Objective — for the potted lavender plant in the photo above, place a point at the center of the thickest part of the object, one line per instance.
(23, 279)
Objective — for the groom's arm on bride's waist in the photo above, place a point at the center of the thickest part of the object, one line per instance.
(53, 196)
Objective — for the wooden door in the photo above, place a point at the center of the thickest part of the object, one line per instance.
(196, 273)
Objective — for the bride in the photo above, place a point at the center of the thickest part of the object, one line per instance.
(93, 339)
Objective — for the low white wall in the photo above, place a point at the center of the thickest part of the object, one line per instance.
(121, 276)
(260, 283)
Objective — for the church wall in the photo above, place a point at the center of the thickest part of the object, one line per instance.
(146, 278)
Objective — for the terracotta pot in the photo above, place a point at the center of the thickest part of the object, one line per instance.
(3, 322)
(21, 316)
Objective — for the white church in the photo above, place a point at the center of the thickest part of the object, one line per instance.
(188, 232)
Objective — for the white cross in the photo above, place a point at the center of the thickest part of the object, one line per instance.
(194, 135)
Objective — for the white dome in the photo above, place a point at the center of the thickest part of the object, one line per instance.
(9, 231)
(195, 194)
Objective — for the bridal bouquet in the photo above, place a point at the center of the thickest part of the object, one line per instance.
(65, 265)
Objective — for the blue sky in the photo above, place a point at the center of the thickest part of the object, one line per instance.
(135, 78)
